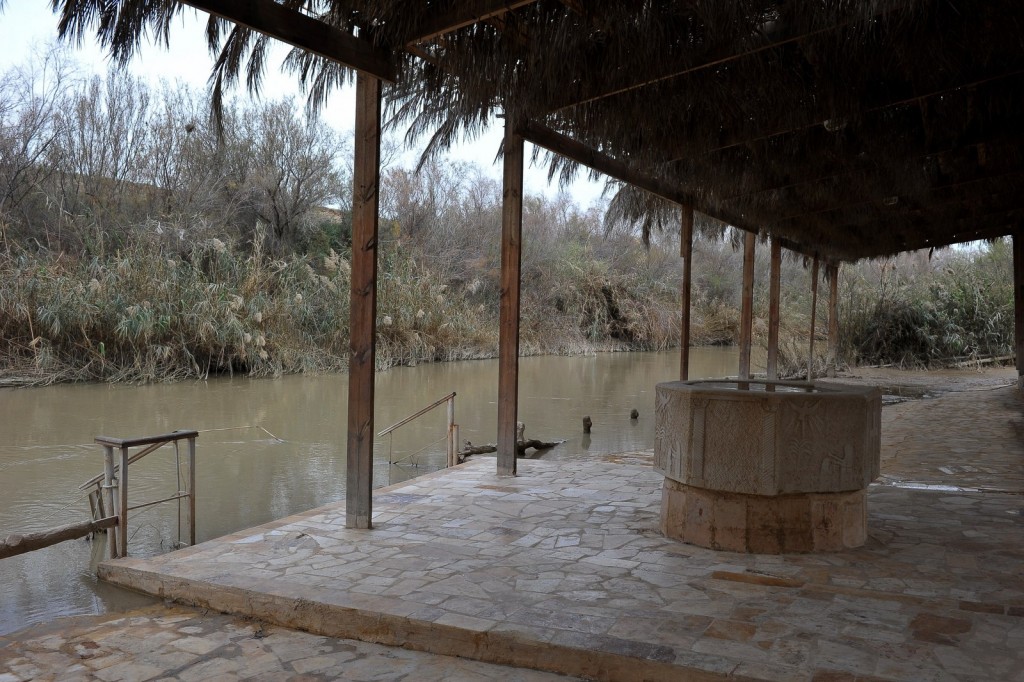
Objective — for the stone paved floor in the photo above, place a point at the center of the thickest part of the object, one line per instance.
(562, 569)
(177, 643)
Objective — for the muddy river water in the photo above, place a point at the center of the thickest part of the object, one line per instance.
(268, 448)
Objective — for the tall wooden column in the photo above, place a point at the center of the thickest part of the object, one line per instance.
(508, 343)
(1018, 304)
(363, 310)
(747, 304)
(686, 251)
(774, 293)
(832, 272)
(814, 315)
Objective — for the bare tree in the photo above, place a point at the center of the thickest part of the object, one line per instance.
(100, 151)
(31, 97)
(287, 163)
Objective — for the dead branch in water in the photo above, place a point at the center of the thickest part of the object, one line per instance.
(521, 448)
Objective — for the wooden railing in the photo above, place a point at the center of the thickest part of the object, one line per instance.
(110, 513)
(452, 434)
(103, 502)
(19, 543)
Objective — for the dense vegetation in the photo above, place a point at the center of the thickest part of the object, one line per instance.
(139, 242)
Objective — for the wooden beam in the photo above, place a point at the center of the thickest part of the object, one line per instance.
(180, 434)
(566, 146)
(888, 238)
(747, 305)
(508, 341)
(832, 273)
(462, 14)
(305, 32)
(878, 107)
(1000, 225)
(841, 198)
(836, 166)
(19, 543)
(774, 293)
(1018, 304)
(686, 251)
(1002, 228)
(363, 306)
(669, 70)
(556, 142)
(831, 156)
(814, 314)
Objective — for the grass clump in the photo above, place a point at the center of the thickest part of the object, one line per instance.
(913, 311)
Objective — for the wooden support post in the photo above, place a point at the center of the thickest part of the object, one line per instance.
(832, 272)
(363, 307)
(108, 497)
(747, 304)
(508, 342)
(122, 511)
(814, 313)
(686, 251)
(192, 491)
(1018, 304)
(774, 293)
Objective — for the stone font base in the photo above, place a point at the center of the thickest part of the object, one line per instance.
(779, 524)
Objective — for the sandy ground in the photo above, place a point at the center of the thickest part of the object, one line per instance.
(931, 382)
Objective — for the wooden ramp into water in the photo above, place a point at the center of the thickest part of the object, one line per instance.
(562, 569)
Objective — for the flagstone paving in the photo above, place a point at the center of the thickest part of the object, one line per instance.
(562, 568)
(177, 643)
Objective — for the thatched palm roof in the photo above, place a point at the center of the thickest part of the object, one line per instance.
(848, 128)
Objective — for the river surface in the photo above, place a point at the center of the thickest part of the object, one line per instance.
(269, 448)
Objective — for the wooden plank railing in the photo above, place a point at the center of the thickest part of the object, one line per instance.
(102, 499)
(110, 513)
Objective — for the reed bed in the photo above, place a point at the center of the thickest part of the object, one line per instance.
(149, 312)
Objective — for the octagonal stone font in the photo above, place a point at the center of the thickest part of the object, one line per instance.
(785, 463)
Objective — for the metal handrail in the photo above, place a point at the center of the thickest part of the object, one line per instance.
(452, 435)
(412, 455)
(422, 412)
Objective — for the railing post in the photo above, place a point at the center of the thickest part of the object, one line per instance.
(685, 289)
(455, 452)
(747, 308)
(123, 510)
(1018, 305)
(832, 350)
(775, 291)
(451, 431)
(108, 496)
(192, 491)
(814, 312)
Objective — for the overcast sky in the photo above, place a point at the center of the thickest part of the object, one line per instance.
(29, 24)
